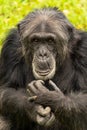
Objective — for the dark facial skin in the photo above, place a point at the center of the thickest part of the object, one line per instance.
(44, 55)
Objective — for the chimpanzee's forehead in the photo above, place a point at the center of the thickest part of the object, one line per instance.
(43, 26)
(46, 26)
(38, 25)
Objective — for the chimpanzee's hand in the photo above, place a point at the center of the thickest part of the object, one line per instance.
(38, 87)
(45, 97)
(42, 115)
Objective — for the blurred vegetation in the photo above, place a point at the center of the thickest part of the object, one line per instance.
(12, 11)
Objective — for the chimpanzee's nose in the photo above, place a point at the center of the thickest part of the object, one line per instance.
(43, 53)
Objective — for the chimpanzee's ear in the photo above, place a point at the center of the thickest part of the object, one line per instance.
(74, 35)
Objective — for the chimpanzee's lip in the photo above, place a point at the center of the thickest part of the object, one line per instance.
(43, 72)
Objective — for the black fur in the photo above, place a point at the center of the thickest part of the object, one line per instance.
(70, 77)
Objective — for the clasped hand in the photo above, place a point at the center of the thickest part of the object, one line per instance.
(41, 96)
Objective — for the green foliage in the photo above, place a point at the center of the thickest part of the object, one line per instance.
(12, 11)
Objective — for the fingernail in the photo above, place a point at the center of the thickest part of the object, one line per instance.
(32, 98)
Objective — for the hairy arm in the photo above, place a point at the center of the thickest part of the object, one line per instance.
(12, 100)
(12, 75)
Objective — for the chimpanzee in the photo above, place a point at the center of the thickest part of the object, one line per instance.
(43, 74)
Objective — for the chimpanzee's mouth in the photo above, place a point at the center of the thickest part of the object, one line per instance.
(42, 72)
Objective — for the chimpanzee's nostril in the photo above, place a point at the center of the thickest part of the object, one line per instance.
(40, 55)
(43, 53)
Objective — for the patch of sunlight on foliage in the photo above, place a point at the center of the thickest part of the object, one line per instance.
(11, 12)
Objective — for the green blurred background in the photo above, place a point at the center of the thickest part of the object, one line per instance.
(12, 11)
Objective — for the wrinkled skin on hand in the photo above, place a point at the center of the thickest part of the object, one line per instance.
(40, 94)
(42, 115)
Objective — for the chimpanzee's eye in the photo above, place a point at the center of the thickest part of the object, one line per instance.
(34, 40)
(50, 40)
